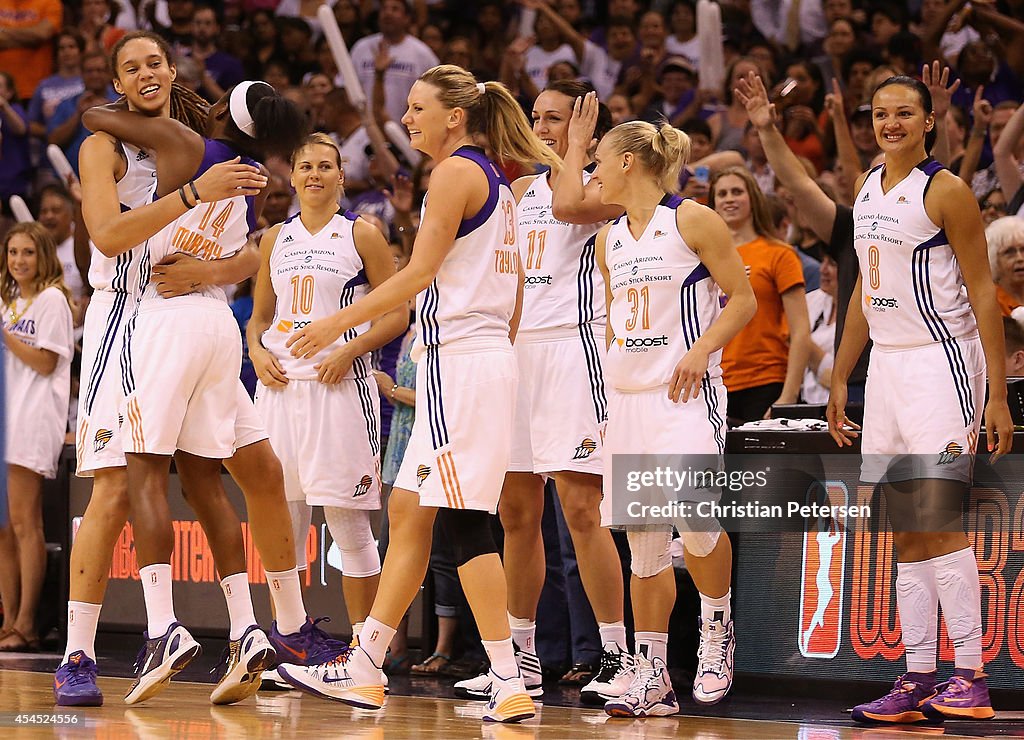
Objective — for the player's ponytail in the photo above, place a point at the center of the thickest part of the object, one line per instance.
(491, 111)
(262, 122)
(661, 151)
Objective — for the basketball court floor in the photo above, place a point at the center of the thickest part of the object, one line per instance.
(417, 708)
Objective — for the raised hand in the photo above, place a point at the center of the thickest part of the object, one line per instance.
(583, 122)
(401, 195)
(936, 79)
(835, 104)
(750, 91)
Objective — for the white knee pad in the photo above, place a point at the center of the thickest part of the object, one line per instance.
(650, 552)
(302, 515)
(351, 530)
(701, 544)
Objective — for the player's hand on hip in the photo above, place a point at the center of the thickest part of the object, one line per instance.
(308, 341)
(998, 429)
(334, 369)
(229, 179)
(179, 274)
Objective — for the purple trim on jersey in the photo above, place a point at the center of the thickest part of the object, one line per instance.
(939, 240)
(349, 215)
(494, 179)
(358, 279)
(215, 152)
(700, 272)
(930, 167)
(670, 201)
(290, 218)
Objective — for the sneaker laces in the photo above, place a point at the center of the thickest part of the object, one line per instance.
(712, 650)
(611, 664)
(322, 646)
(137, 665)
(902, 685)
(221, 668)
(955, 686)
(77, 675)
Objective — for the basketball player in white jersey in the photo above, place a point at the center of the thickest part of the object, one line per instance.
(666, 265)
(317, 260)
(192, 406)
(926, 299)
(465, 267)
(560, 410)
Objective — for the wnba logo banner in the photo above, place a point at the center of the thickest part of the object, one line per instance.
(821, 579)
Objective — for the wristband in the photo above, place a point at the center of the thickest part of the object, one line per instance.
(195, 193)
(181, 192)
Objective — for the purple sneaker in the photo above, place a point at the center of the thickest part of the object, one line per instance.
(903, 705)
(963, 696)
(75, 682)
(309, 646)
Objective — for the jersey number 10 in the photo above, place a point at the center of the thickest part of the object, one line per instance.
(302, 294)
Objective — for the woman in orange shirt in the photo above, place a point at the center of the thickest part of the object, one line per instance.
(764, 364)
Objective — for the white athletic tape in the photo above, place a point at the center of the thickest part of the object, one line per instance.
(20, 210)
(396, 134)
(60, 163)
(527, 17)
(332, 33)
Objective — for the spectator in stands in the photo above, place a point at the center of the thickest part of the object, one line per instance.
(887, 20)
(778, 23)
(979, 67)
(344, 124)
(992, 205)
(278, 205)
(410, 57)
(66, 129)
(941, 35)
(265, 43)
(674, 98)
(459, 52)
(682, 18)
(862, 132)
(350, 21)
(27, 31)
(956, 135)
(305, 11)
(995, 119)
(65, 83)
(1013, 332)
(803, 111)
(729, 124)
(857, 67)
(15, 166)
(297, 48)
(551, 46)
(621, 108)
(179, 32)
(220, 70)
(759, 368)
(1005, 238)
(841, 40)
(489, 37)
(56, 214)
(96, 24)
(1008, 159)
(821, 308)
(315, 88)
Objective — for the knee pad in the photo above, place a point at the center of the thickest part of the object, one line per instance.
(649, 552)
(701, 544)
(351, 530)
(469, 533)
(301, 514)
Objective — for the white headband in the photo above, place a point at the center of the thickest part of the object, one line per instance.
(481, 88)
(239, 110)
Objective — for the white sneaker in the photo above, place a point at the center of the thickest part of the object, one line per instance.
(271, 680)
(714, 662)
(650, 694)
(351, 678)
(479, 687)
(245, 660)
(158, 661)
(509, 701)
(613, 679)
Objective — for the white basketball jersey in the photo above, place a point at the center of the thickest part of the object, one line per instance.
(563, 286)
(313, 276)
(474, 293)
(913, 291)
(120, 274)
(663, 299)
(210, 231)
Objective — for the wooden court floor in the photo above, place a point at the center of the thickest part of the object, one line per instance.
(184, 711)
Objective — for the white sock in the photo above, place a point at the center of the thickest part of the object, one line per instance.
(719, 609)
(524, 633)
(239, 601)
(918, 602)
(375, 638)
(357, 628)
(502, 657)
(156, 589)
(613, 633)
(82, 620)
(652, 645)
(959, 592)
(287, 598)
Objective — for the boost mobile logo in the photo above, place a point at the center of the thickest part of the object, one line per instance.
(642, 343)
(538, 280)
(880, 303)
(822, 575)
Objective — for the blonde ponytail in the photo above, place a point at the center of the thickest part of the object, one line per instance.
(492, 112)
(661, 151)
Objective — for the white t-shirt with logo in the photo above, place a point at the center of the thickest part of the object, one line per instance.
(409, 59)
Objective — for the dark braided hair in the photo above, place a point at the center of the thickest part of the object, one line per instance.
(186, 106)
(189, 107)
